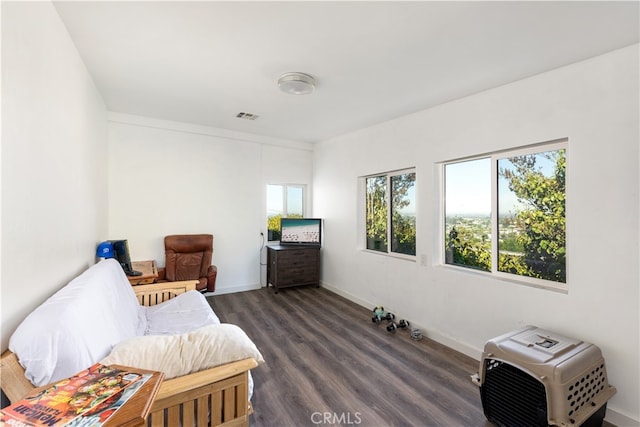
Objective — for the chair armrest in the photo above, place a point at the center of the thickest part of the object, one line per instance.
(162, 273)
(212, 274)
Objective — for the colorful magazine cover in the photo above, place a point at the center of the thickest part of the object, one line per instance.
(88, 398)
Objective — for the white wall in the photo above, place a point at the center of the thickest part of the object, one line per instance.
(285, 165)
(54, 186)
(595, 105)
(175, 178)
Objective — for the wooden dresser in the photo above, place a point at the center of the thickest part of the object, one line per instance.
(293, 266)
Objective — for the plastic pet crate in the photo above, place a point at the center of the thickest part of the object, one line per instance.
(534, 377)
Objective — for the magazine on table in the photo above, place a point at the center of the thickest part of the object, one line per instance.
(86, 399)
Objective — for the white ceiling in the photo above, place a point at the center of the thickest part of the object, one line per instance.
(204, 62)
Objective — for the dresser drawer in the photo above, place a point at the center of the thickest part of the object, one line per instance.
(297, 278)
(297, 253)
(293, 266)
(305, 260)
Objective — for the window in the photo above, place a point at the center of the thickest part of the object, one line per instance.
(518, 196)
(283, 200)
(390, 212)
(468, 214)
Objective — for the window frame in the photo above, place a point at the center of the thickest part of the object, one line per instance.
(554, 145)
(362, 216)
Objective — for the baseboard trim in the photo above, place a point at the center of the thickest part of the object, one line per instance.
(233, 290)
(617, 419)
(614, 417)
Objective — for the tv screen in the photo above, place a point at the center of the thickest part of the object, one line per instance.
(300, 231)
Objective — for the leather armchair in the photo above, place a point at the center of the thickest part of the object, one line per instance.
(188, 257)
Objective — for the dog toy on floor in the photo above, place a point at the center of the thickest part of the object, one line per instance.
(379, 315)
(402, 324)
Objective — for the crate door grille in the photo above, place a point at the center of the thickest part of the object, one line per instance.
(511, 397)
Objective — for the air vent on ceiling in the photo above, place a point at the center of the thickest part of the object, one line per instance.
(247, 116)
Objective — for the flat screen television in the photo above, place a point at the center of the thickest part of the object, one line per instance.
(121, 254)
(301, 231)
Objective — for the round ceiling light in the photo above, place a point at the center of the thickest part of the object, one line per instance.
(296, 83)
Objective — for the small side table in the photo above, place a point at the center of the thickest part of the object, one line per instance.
(135, 411)
(149, 273)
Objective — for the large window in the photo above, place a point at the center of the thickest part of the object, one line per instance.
(518, 196)
(283, 201)
(390, 212)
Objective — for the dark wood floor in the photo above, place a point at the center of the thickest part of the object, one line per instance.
(328, 364)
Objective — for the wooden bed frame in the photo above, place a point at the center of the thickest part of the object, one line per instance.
(214, 397)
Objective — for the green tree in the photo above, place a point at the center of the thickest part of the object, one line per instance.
(404, 234)
(542, 219)
(273, 225)
(403, 227)
(465, 248)
(376, 213)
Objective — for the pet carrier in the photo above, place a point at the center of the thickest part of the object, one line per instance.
(533, 377)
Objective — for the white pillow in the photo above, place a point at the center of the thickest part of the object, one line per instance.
(178, 355)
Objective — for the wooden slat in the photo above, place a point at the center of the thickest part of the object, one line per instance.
(229, 411)
(188, 413)
(242, 390)
(173, 415)
(216, 408)
(157, 418)
(203, 411)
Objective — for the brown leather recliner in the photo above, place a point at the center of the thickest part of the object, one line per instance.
(188, 257)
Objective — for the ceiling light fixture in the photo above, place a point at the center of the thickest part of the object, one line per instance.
(296, 83)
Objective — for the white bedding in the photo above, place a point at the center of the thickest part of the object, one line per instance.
(184, 313)
(78, 325)
(85, 320)
(184, 335)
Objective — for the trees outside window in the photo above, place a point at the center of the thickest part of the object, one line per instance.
(376, 213)
(468, 214)
(403, 214)
(283, 201)
(531, 232)
(390, 217)
(518, 196)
